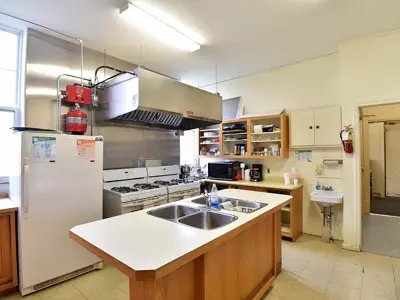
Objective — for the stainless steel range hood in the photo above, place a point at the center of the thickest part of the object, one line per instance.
(155, 100)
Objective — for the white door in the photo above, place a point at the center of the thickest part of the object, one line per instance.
(377, 157)
(302, 127)
(328, 124)
(392, 137)
(62, 189)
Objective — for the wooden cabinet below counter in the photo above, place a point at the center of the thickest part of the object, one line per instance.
(292, 214)
(8, 248)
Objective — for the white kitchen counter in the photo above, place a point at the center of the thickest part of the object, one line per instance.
(144, 242)
(6, 205)
(268, 184)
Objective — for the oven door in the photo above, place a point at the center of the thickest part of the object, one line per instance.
(193, 192)
(175, 196)
(129, 207)
(159, 200)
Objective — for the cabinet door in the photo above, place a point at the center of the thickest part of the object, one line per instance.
(302, 127)
(328, 124)
(5, 250)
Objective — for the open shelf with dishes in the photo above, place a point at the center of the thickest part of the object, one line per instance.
(234, 138)
(265, 137)
(210, 141)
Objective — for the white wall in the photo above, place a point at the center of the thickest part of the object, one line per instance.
(369, 74)
(392, 136)
(307, 84)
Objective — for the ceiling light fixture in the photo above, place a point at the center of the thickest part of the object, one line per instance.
(160, 25)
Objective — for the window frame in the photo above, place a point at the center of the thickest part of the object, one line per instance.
(17, 108)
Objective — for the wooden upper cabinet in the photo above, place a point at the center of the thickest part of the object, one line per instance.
(328, 124)
(302, 127)
(316, 126)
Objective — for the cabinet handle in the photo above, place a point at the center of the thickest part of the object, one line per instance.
(310, 127)
(317, 127)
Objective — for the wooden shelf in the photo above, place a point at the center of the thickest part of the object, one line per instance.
(208, 130)
(225, 145)
(234, 132)
(209, 156)
(267, 133)
(285, 228)
(235, 140)
(209, 137)
(286, 208)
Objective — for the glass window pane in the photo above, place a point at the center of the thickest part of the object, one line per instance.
(8, 87)
(8, 51)
(6, 121)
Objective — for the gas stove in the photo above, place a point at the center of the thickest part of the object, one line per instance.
(124, 189)
(146, 186)
(168, 176)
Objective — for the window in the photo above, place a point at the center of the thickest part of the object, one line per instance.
(9, 96)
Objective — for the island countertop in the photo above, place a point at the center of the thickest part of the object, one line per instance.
(142, 242)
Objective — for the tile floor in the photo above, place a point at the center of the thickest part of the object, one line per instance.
(312, 270)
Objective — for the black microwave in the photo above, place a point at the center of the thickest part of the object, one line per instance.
(224, 170)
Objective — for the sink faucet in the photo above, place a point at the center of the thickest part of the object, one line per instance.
(327, 188)
(208, 197)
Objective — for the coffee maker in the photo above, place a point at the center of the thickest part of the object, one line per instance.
(256, 173)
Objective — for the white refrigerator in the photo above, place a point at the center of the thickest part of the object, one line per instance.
(57, 184)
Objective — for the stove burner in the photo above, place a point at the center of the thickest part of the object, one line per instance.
(146, 186)
(124, 189)
(177, 181)
(162, 182)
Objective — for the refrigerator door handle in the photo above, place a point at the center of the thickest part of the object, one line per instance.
(26, 190)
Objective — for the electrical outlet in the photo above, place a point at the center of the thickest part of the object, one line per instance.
(268, 171)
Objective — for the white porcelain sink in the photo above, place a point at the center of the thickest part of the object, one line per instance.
(327, 198)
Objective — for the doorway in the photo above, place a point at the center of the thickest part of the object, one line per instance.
(380, 127)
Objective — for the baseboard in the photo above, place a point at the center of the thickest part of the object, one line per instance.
(351, 247)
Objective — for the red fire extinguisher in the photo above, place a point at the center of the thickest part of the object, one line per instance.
(347, 139)
(76, 121)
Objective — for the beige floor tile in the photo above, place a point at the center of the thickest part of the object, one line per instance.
(62, 291)
(98, 281)
(351, 257)
(369, 296)
(336, 291)
(268, 296)
(16, 296)
(349, 267)
(347, 279)
(301, 293)
(378, 263)
(114, 294)
(281, 289)
(315, 279)
(380, 284)
(124, 286)
(287, 277)
(295, 266)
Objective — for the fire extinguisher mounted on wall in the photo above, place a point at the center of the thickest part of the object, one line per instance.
(347, 139)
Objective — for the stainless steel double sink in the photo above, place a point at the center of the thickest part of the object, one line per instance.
(232, 204)
(194, 217)
(203, 217)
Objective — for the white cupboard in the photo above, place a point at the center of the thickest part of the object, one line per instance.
(316, 127)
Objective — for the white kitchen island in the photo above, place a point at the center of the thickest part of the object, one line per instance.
(167, 260)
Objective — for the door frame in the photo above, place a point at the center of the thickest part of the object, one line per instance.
(358, 164)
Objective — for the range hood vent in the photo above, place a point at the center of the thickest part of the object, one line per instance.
(151, 118)
(151, 99)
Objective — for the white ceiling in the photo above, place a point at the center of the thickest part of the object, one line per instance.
(241, 37)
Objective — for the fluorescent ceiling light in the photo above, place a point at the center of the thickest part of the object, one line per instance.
(161, 25)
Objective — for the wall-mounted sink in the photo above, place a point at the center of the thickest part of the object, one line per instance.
(326, 198)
